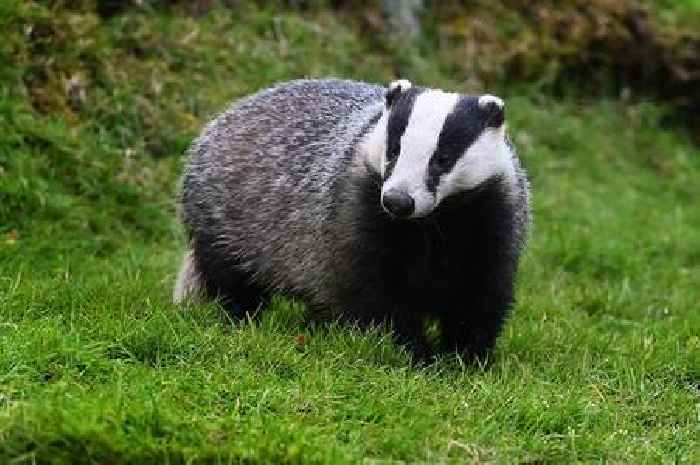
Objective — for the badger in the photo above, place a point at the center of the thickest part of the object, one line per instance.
(400, 205)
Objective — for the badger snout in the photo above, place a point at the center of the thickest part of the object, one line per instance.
(398, 203)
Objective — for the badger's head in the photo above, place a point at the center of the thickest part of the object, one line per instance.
(429, 145)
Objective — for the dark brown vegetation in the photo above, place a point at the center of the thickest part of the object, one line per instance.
(574, 47)
(601, 47)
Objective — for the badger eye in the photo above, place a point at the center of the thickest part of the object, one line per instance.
(441, 159)
(393, 152)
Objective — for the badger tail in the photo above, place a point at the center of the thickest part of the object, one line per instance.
(188, 285)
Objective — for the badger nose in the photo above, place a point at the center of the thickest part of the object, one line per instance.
(398, 203)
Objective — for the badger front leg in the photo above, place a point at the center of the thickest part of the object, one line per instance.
(405, 325)
(409, 330)
(472, 330)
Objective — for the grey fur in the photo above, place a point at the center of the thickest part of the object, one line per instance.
(275, 180)
(286, 143)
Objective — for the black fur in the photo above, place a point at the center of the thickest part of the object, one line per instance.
(392, 94)
(462, 127)
(223, 278)
(401, 109)
(277, 200)
(452, 266)
(495, 115)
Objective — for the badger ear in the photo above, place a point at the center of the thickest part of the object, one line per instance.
(395, 89)
(494, 109)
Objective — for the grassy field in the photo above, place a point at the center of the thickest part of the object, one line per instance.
(600, 362)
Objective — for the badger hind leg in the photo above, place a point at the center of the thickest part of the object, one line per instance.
(188, 285)
(220, 277)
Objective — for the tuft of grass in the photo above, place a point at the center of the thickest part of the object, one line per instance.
(600, 362)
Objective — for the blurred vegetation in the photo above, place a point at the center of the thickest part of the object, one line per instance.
(93, 108)
(574, 47)
(599, 46)
(120, 85)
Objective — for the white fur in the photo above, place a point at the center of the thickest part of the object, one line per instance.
(374, 145)
(488, 156)
(404, 84)
(187, 285)
(487, 99)
(418, 143)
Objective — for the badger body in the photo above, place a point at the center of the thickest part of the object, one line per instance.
(383, 205)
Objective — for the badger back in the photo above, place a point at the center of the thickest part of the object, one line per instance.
(260, 177)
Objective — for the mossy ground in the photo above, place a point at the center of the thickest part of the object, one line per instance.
(600, 362)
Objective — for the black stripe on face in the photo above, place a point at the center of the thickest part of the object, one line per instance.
(399, 114)
(461, 128)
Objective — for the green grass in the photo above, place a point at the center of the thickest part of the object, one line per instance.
(600, 362)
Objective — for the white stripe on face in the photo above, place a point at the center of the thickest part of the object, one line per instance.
(418, 143)
(488, 156)
(374, 145)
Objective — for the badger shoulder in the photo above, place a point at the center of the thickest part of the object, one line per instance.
(287, 117)
(308, 98)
